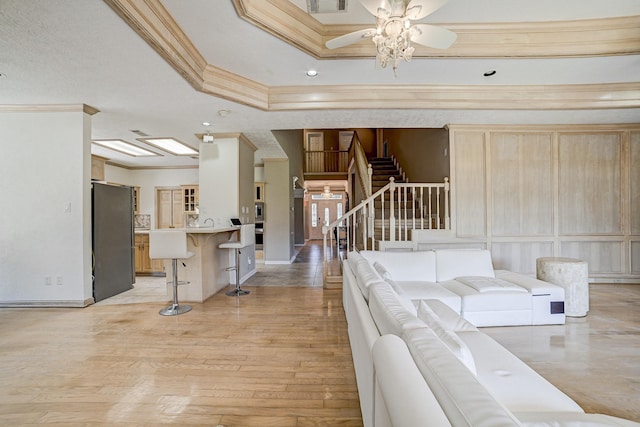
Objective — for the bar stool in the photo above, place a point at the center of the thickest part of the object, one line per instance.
(170, 244)
(247, 238)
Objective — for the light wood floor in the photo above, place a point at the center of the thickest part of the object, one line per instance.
(277, 357)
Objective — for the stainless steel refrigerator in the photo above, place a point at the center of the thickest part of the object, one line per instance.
(113, 240)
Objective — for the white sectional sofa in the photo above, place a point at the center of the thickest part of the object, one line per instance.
(420, 360)
(465, 280)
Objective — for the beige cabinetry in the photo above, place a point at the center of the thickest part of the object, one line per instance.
(136, 200)
(190, 198)
(144, 264)
(174, 203)
(170, 211)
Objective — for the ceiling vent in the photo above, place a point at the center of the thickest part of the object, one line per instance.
(326, 6)
(139, 133)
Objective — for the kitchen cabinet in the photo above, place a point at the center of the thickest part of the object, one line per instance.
(144, 264)
(170, 209)
(136, 200)
(190, 198)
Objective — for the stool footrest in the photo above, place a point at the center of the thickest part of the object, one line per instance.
(175, 309)
(180, 282)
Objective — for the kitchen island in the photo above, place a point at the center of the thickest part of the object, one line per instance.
(206, 270)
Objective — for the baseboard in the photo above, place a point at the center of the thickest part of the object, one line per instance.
(43, 304)
(280, 262)
(247, 276)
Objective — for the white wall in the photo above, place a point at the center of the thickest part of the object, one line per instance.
(219, 173)
(45, 217)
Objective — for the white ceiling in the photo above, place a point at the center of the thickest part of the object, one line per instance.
(81, 51)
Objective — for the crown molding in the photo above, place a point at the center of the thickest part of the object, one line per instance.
(49, 108)
(151, 20)
(600, 96)
(588, 37)
(611, 36)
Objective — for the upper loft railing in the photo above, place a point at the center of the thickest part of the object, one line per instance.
(326, 161)
(389, 215)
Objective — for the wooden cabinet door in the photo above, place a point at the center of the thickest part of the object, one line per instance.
(144, 264)
(139, 253)
(169, 209)
(178, 209)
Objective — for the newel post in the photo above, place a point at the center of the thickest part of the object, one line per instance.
(392, 214)
(447, 220)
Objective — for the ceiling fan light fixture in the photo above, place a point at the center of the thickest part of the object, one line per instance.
(395, 33)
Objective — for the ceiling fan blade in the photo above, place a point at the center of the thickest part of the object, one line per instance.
(350, 38)
(378, 8)
(432, 36)
(418, 9)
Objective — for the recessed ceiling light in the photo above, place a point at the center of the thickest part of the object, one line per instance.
(170, 145)
(489, 73)
(206, 124)
(223, 113)
(124, 147)
(312, 73)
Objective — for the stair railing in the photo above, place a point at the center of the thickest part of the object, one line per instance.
(364, 170)
(410, 206)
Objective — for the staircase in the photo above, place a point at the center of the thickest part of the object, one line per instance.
(394, 209)
(383, 169)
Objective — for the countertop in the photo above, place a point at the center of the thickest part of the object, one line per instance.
(195, 230)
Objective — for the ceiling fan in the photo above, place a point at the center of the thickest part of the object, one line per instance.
(395, 32)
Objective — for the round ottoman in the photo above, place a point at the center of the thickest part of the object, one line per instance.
(573, 275)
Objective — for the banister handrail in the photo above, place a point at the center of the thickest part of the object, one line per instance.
(362, 165)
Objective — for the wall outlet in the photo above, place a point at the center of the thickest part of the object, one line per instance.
(59, 280)
(47, 280)
(249, 261)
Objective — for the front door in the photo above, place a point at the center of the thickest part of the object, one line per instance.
(323, 211)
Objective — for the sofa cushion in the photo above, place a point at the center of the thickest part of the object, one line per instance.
(365, 276)
(449, 338)
(419, 265)
(571, 419)
(473, 300)
(452, 263)
(447, 317)
(388, 312)
(383, 272)
(511, 381)
(404, 297)
(401, 390)
(418, 290)
(465, 401)
(490, 284)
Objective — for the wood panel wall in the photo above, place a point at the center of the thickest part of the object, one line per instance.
(571, 191)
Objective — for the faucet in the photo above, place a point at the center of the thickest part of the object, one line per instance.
(209, 219)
